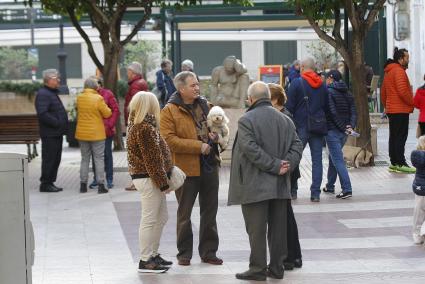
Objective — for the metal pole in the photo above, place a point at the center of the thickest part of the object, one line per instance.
(164, 32)
(346, 70)
(31, 12)
(177, 64)
(62, 62)
(172, 46)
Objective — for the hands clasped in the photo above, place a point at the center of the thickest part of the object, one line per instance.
(284, 167)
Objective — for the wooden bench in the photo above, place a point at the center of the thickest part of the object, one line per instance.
(20, 129)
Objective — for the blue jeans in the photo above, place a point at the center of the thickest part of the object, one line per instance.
(316, 144)
(335, 141)
(109, 162)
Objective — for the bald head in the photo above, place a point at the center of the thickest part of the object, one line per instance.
(258, 90)
(308, 64)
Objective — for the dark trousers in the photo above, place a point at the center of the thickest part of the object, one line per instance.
(422, 126)
(109, 162)
(206, 185)
(266, 218)
(399, 128)
(294, 248)
(51, 154)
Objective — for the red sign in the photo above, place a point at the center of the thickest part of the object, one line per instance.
(270, 74)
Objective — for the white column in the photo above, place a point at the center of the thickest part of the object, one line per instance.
(87, 64)
(253, 56)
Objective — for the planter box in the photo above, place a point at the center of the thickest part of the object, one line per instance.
(70, 136)
(352, 141)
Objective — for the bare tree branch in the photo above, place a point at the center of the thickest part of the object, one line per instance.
(98, 11)
(92, 53)
(115, 27)
(147, 13)
(324, 36)
(351, 12)
(373, 13)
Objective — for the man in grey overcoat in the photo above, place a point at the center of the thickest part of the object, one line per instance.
(265, 150)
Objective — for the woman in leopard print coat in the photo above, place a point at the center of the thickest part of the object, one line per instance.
(149, 164)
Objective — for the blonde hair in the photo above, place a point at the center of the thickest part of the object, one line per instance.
(141, 104)
(421, 143)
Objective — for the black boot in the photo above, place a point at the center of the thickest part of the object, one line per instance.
(101, 188)
(83, 187)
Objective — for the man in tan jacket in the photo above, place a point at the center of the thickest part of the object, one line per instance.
(194, 150)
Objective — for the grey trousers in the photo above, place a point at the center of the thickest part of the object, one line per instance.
(266, 219)
(97, 149)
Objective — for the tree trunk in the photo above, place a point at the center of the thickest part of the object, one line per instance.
(359, 90)
(110, 77)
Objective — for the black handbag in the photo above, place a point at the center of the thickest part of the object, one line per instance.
(316, 123)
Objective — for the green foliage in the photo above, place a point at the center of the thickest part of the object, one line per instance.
(122, 87)
(15, 64)
(26, 89)
(317, 9)
(147, 53)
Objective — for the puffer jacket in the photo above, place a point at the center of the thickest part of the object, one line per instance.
(418, 161)
(396, 93)
(148, 153)
(134, 86)
(52, 117)
(112, 103)
(91, 110)
(179, 130)
(419, 102)
(342, 110)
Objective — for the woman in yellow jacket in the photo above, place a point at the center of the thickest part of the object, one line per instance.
(91, 109)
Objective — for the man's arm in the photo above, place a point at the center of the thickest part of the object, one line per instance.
(177, 144)
(42, 104)
(255, 154)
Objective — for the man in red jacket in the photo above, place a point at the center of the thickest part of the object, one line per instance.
(110, 131)
(136, 83)
(397, 98)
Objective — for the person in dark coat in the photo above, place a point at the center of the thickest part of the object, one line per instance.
(294, 258)
(265, 149)
(307, 98)
(294, 71)
(164, 82)
(53, 123)
(342, 119)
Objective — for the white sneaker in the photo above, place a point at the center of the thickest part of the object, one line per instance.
(417, 239)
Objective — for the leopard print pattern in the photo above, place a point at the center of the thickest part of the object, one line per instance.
(147, 152)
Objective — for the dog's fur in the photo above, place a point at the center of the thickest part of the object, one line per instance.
(356, 156)
(217, 122)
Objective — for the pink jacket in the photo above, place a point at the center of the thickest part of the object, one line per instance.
(134, 86)
(112, 103)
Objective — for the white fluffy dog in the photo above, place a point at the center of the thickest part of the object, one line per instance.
(217, 122)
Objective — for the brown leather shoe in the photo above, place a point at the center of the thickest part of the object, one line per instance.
(184, 261)
(213, 260)
(131, 188)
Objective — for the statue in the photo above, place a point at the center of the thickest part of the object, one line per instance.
(229, 84)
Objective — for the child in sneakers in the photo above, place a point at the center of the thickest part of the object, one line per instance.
(418, 160)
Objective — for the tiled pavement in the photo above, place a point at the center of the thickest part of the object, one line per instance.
(92, 238)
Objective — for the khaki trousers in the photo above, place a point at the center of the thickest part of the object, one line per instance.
(153, 219)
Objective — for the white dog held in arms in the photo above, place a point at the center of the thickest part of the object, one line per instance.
(217, 122)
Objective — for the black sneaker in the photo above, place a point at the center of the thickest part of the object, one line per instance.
(344, 195)
(159, 260)
(151, 266)
(328, 190)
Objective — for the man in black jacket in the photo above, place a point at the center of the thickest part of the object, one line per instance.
(53, 122)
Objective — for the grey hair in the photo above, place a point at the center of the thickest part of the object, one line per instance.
(296, 62)
(49, 73)
(180, 79)
(259, 90)
(136, 67)
(188, 63)
(91, 83)
(308, 63)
